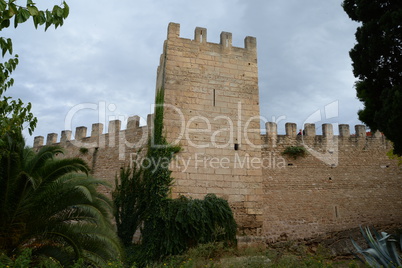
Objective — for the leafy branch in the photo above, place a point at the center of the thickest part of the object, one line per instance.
(13, 113)
(9, 9)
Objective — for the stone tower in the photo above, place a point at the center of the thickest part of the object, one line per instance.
(211, 109)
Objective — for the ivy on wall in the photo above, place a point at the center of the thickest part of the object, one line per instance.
(159, 154)
(170, 226)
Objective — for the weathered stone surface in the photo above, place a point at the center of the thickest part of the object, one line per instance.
(210, 92)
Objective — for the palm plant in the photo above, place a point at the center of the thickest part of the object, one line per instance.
(51, 206)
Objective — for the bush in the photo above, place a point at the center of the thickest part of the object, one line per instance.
(129, 203)
(83, 150)
(188, 222)
(295, 151)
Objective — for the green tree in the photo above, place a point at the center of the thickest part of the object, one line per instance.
(377, 63)
(50, 206)
(186, 222)
(129, 202)
(14, 114)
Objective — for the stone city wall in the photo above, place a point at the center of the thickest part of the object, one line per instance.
(105, 153)
(345, 181)
(211, 110)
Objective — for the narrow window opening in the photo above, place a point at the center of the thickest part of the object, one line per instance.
(336, 212)
(213, 97)
(236, 146)
(201, 37)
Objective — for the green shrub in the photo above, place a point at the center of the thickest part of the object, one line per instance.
(83, 150)
(129, 202)
(187, 222)
(295, 151)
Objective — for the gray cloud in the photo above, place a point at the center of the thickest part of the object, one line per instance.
(108, 52)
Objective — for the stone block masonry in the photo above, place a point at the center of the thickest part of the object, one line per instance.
(211, 110)
(344, 181)
(210, 91)
(104, 153)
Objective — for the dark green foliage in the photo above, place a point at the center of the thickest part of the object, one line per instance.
(83, 150)
(157, 176)
(172, 226)
(157, 181)
(52, 207)
(295, 151)
(157, 137)
(13, 113)
(377, 63)
(23, 260)
(129, 201)
(185, 223)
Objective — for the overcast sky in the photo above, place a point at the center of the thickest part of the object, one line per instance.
(105, 57)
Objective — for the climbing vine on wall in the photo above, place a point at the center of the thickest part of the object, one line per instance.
(172, 225)
(159, 154)
(157, 181)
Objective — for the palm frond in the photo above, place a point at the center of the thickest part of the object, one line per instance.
(59, 167)
(52, 206)
(35, 162)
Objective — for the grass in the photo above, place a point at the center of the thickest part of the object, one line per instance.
(215, 255)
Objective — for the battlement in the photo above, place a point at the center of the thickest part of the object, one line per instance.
(97, 137)
(200, 36)
(308, 135)
(309, 130)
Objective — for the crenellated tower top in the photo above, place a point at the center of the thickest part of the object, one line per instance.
(200, 36)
